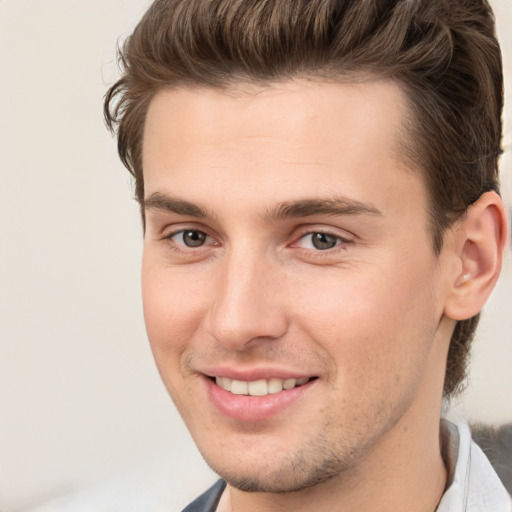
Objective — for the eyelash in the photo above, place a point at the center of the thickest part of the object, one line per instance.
(181, 247)
(341, 242)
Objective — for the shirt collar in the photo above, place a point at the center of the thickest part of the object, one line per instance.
(473, 485)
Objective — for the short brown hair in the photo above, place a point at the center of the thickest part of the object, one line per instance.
(443, 53)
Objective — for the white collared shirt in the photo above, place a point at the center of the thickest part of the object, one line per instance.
(475, 486)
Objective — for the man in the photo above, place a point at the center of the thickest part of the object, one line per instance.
(319, 190)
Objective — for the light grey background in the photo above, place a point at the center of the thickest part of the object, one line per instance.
(81, 404)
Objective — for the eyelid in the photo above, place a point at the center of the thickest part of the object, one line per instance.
(342, 239)
(173, 229)
(169, 234)
(326, 230)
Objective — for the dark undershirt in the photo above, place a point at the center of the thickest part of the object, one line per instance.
(209, 500)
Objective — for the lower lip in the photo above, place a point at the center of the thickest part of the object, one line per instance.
(254, 408)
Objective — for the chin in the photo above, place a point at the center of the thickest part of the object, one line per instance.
(253, 483)
(283, 473)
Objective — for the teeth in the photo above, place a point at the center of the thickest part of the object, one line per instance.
(289, 383)
(261, 387)
(224, 383)
(275, 385)
(239, 387)
(258, 388)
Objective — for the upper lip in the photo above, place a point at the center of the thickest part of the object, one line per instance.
(253, 374)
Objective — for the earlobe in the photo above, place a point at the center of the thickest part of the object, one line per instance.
(482, 237)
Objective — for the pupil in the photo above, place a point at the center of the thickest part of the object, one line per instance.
(323, 241)
(194, 238)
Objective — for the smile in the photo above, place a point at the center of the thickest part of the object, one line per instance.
(260, 387)
(255, 398)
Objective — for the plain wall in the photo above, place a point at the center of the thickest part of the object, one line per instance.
(80, 398)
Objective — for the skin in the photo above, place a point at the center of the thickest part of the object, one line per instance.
(366, 317)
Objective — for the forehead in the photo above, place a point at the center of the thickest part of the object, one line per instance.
(319, 134)
(293, 110)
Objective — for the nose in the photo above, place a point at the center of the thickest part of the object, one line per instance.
(247, 308)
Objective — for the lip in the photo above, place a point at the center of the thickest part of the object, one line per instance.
(254, 408)
(252, 374)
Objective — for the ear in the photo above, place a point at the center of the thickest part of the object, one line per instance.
(480, 241)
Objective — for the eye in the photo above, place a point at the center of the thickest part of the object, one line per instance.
(319, 241)
(190, 238)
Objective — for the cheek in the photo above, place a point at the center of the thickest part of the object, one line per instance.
(376, 326)
(173, 307)
(172, 315)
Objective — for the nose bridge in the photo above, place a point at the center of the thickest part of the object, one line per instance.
(247, 305)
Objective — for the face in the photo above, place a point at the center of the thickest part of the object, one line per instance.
(291, 295)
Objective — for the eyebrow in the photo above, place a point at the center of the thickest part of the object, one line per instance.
(159, 201)
(310, 207)
(284, 210)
